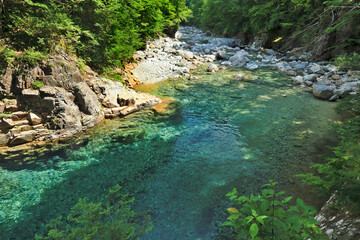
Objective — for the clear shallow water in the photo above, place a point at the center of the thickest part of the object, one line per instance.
(179, 159)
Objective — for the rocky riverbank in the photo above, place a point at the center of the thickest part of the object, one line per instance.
(58, 99)
(172, 58)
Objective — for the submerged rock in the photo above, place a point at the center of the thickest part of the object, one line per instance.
(239, 77)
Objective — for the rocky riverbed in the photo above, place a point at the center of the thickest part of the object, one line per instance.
(172, 58)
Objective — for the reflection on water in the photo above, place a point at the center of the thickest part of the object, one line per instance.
(180, 158)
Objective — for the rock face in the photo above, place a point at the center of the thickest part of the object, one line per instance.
(338, 224)
(70, 101)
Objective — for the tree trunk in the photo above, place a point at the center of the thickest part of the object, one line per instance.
(1, 8)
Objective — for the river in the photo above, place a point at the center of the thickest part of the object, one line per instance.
(180, 158)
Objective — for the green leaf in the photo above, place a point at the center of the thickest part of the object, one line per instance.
(242, 234)
(287, 199)
(254, 213)
(260, 219)
(254, 230)
(280, 193)
(227, 224)
(268, 192)
(249, 219)
(300, 202)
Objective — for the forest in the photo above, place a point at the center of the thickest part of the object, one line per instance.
(333, 26)
(102, 33)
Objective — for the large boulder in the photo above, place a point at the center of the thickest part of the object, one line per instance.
(221, 55)
(296, 65)
(23, 137)
(186, 54)
(34, 119)
(6, 123)
(239, 59)
(16, 116)
(86, 99)
(310, 78)
(66, 113)
(315, 68)
(323, 91)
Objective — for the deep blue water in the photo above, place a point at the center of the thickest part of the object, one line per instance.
(216, 134)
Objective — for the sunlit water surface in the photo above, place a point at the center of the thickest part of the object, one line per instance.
(179, 159)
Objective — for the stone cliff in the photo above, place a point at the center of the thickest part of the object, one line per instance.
(57, 99)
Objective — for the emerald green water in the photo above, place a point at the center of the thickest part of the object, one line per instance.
(180, 159)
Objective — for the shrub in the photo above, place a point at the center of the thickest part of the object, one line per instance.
(81, 65)
(113, 219)
(37, 84)
(270, 216)
(348, 61)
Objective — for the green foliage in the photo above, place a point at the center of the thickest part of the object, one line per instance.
(348, 61)
(100, 32)
(340, 173)
(303, 21)
(37, 84)
(252, 17)
(112, 219)
(81, 65)
(115, 76)
(4, 115)
(270, 216)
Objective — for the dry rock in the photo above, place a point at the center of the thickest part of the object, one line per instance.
(323, 91)
(212, 68)
(23, 137)
(4, 139)
(16, 116)
(34, 119)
